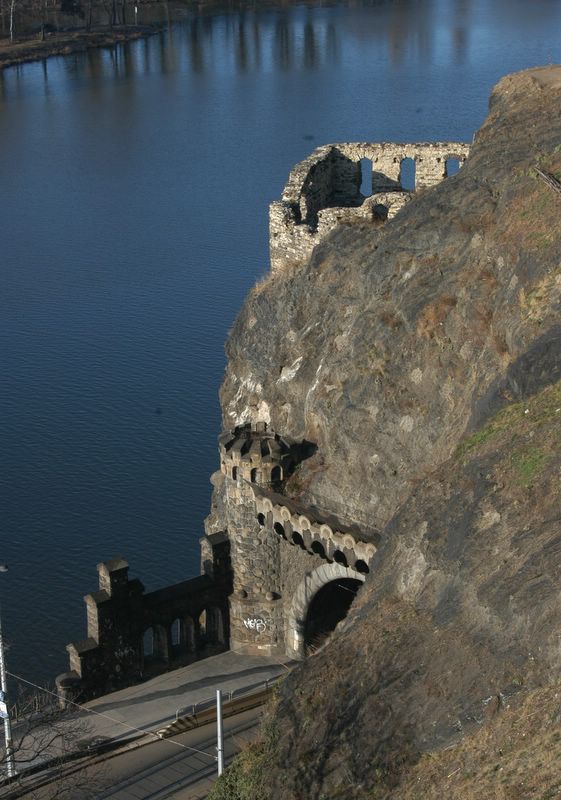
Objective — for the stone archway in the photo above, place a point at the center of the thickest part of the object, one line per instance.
(302, 600)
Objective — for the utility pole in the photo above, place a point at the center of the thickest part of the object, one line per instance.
(4, 711)
(219, 732)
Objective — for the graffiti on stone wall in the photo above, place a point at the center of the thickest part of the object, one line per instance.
(257, 624)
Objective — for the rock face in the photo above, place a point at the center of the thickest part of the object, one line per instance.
(423, 359)
(391, 342)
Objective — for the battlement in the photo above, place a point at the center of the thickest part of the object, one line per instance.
(324, 190)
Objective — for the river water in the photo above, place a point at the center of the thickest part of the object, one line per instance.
(135, 185)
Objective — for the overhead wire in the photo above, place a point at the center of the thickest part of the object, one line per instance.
(107, 716)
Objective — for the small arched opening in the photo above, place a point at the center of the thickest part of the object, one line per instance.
(407, 175)
(362, 567)
(451, 167)
(234, 473)
(380, 212)
(278, 528)
(155, 647)
(340, 558)
(318, 549)
(328, 607)
(176, 634)
(276, 474)
(255, 475)
(298, 539)
(366, 177)
(261, 520)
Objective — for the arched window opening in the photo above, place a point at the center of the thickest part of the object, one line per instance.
(451, 167)
(148, 643)
(297, 539)
(261, 519)
(176, 633)
(407, 174)
(328, 607)
(234, 473)
(202, 623)
(278, 528)
(255, 475)
(276, 474)
(362, 567)
(318, 548)
(366, 177)
(339, 557)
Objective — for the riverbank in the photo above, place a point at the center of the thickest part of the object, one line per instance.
(62, 44)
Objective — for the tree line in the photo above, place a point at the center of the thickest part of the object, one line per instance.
(24, 18)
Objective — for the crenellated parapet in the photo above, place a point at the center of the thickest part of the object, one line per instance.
(324, 190)
(132, 635)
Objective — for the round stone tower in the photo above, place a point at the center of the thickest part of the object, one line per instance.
(253, 460)
(254, 454)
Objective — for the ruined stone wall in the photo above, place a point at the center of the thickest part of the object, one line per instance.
(324, 190)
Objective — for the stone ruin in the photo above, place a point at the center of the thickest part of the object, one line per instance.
(324, 190)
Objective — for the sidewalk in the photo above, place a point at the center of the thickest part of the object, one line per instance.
(153, 704)
(121, 720)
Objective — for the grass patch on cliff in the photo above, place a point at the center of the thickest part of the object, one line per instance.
(528, 464)
(518, 419)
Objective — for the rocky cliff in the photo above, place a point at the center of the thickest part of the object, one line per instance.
(423, 358)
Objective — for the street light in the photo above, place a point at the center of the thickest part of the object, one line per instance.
(4, 713)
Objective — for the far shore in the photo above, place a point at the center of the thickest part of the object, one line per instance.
(64, 43)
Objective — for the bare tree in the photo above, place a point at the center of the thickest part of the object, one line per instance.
(12, 19)
(44, 738)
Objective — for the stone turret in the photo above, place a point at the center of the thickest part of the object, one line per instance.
(252, 455)
(255, 454)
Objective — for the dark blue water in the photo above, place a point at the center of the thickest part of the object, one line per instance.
(135, 184)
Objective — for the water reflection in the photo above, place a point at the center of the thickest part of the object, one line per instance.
(251, 40)
(138, 179)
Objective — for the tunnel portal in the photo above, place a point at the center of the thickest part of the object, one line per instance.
(328, 607)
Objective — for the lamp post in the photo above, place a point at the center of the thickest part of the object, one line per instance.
(4, 712)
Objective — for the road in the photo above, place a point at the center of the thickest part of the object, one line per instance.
(168, 769)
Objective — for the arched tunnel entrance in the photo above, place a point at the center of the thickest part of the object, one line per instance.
(321, 600)
(328, 607)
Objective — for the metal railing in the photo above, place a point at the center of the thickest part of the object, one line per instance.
(228, 695)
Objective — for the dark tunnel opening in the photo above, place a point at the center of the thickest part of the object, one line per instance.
(328, 607)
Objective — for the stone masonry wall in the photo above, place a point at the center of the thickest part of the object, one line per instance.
(324, 190)
(256, 620)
